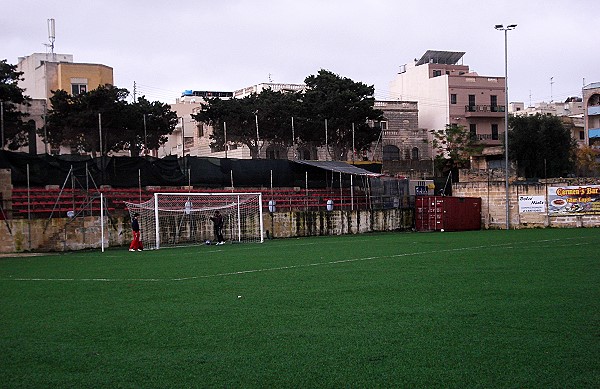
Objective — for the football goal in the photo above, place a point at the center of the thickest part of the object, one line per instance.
(177, 219)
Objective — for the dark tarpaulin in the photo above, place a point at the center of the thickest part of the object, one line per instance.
(126, 172)
(257, 172)
(43, 170)
(129, 172)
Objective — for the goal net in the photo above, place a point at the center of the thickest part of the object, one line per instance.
(177, 219)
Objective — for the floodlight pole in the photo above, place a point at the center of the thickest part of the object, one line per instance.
(501, 27)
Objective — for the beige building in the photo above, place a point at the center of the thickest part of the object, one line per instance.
(44, 73)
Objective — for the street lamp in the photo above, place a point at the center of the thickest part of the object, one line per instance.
(501, 27)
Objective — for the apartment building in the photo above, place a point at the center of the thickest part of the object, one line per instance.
(448, 92)
(591, 103)
(47, 72)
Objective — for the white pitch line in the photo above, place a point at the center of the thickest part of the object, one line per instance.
(340, 261)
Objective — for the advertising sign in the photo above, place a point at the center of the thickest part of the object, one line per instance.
(574, 200)
(531, 204)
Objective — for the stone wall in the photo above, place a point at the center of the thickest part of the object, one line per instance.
(59, 234)
(493, 202)
(63, 234)
(295, 224)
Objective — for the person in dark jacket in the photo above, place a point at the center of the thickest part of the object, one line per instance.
(136, 244)
(217, 220)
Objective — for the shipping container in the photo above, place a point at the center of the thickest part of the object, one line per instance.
(436, 213)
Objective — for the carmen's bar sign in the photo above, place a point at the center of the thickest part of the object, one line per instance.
(574, 200)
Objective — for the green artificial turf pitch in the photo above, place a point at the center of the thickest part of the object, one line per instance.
(468, 309)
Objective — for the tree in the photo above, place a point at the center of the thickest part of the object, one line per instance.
(15, 130)
(342, 102)
(77, 121)
(271, 110)
(455, 145)
(541, 146)
(587, 162)
(147, 125)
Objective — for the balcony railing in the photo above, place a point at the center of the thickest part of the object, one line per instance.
(484, 108)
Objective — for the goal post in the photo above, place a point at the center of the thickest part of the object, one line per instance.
(178, 219)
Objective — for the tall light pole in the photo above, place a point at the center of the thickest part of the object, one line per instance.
(501, 27)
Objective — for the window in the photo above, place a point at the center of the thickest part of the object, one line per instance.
(494, 132)
(453, 98)
(437, 73)
(473, 130)
(188, 142)
(380, 125)
(471, 103)
(581, 135)
(494, 103)
(415, 154)
(391, 153)
(78, 86)
(77, 89)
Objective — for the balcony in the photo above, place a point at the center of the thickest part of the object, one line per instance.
(593, 110)
(489, 139)
(495, 111)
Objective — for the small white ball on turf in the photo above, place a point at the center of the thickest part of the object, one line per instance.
(442, 230)
(207, 243)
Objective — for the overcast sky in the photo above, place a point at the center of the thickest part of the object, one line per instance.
(170, 46)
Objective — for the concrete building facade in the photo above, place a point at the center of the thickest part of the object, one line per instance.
(450, 93)
(44, 73)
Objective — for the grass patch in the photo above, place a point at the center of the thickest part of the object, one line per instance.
(470, 309)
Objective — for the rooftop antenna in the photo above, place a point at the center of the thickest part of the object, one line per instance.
(551, 96)
(51, 37)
